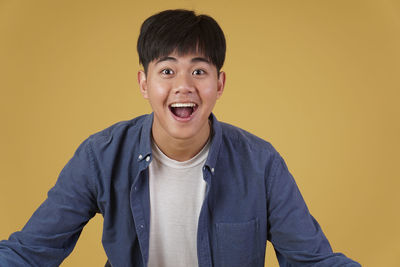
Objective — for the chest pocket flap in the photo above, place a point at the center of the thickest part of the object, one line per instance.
(238, 244)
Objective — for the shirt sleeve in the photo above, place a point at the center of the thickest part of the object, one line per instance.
(296, 236)
(53, 230)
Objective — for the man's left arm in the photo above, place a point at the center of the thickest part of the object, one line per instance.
(297, 238)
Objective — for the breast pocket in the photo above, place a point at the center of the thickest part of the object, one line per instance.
(238, 244)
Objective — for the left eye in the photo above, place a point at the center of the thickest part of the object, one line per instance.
(198, 72)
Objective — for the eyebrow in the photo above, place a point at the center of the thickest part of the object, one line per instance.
(193, 60)
(200, 59)
(166, 59)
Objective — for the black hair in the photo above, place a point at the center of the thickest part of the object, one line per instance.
(181, 31)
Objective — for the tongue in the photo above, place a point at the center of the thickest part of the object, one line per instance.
(183, 112)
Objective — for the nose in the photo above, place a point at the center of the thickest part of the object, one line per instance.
(183, 84)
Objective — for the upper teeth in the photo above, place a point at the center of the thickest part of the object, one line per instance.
(183, 105)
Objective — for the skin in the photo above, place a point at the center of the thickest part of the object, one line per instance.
(189, 78)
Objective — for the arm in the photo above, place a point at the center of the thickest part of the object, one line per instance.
(297, 237)
(54, 228)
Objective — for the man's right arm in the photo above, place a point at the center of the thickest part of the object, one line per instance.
(53, 230)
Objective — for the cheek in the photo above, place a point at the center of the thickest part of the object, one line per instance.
(158, 93)
(209, 93)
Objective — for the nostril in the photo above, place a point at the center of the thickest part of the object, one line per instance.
(183, 91)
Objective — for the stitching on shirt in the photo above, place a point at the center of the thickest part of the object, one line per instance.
(273, 173)
(92, 166)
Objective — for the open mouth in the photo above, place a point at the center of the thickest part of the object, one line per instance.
(183, 110)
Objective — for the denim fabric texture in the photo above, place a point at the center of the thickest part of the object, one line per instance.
(251, 197)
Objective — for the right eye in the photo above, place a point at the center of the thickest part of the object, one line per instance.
(167, 72)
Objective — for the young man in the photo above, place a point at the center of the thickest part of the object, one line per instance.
(176, 187)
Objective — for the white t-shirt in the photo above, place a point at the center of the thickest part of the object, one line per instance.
(177, 191)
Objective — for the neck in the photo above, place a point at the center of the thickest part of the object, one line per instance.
(182, 149)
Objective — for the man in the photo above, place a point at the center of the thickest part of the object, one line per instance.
(176, 187)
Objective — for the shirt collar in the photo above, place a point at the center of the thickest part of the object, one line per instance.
(145, 139)
(216, 137)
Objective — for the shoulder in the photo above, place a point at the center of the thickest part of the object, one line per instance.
(124, 134)
(119, 130)
(247, 153)
(240, 147)
(241, 138)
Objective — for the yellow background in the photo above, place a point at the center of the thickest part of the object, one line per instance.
(318, 79)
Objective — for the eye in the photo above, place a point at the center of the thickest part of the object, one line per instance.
(167, 72)
(198, 72)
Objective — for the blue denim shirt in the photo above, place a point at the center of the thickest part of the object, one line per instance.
(251, 197)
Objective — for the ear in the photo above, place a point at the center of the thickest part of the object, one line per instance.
(142, 80)
(221, 83)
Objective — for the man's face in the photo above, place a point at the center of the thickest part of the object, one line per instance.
(182, 91)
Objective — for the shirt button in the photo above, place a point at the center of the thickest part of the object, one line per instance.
(135, 188)
(212, 170)
(140, 156)
(147, 158)
(141, 226)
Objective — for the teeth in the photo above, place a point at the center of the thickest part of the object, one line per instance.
(183, 105)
